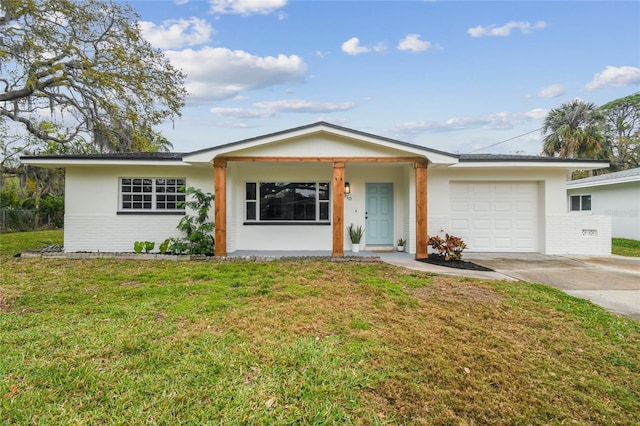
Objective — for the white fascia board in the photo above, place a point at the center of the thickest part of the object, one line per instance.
(531, 164)
(207, 156)
(62, 163)
(627, 179)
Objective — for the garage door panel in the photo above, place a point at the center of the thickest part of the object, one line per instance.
(503, 206)
(459, 188)
(526, 188)
(503, 188)
(503, 243)
(495, 216)
(523, 243)
(524, 206)
(503, 224)
(460, 224)
(525, 225)
(481, 225)
(459, 206)
(481, 206)
(481, 243)
(481, 188)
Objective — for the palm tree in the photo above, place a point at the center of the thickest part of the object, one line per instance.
(573, 130)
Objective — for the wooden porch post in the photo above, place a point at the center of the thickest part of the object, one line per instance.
(421, 209)
(220, 215)
(338, 209)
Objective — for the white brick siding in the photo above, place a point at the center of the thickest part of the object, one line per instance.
(578, 235)
(111, 233)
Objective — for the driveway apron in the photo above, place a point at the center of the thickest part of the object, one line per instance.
(611, 282)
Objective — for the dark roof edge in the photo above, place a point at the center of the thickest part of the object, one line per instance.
(129, 156)
(480, 158)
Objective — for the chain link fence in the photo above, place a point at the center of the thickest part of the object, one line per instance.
(28, 220)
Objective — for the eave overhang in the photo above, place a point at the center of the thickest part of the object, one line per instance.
(407, 149)
(578, 185)
(106, 159)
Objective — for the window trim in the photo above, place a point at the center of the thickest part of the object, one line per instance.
(580, 198)
(318, 202)
(154, 210)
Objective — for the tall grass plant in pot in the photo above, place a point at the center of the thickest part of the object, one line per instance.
(355, 234)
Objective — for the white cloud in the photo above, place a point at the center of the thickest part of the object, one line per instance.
(180, 2)
(380, 47)
(413, 43)
(615, 76)
(247, 7)
(505, 30)
(500, 120)
(552, 91)
(271, 108)
(352, 47)
(220, 73)
(176, 33)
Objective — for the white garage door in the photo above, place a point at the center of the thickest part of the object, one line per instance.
(495, 216)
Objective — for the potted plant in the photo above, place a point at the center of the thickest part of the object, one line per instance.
(401, 243)
(355, 234)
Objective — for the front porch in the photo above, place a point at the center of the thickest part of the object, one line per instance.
(234, 234)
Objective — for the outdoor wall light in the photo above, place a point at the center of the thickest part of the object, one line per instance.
(347, 188)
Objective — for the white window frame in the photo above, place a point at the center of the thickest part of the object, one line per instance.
(154, 194)
(318, 202)
(581, 209)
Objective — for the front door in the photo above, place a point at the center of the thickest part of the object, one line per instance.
(379, 214)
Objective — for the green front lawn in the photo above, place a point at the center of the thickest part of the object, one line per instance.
(625, 247)
(299, 342)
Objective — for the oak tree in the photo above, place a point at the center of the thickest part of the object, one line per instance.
(622, 128)
(84, 66)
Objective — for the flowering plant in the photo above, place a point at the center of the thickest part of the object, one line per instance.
(449, 247)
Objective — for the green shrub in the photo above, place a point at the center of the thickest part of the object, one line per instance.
(51, 210)
(198, 229)
(138, 246)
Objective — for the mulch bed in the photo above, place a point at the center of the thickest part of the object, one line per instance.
(434, 259)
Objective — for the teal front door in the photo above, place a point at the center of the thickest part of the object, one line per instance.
(379, 214)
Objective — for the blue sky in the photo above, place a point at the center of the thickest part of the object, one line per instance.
(451, 75)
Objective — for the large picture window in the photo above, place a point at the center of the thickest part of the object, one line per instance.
(152, 194)
(287, 201)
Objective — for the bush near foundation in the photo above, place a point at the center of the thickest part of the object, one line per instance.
(450, 247)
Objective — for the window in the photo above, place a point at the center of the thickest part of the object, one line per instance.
(287, 201)
(580, 203)
(152, 194)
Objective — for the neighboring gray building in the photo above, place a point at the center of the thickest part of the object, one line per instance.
(614, 194)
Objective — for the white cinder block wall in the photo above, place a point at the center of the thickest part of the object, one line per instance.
(578, 235)
(92, 222)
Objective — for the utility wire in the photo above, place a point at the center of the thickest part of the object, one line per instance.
(506, 140)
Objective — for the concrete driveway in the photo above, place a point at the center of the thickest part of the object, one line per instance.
(611, 282)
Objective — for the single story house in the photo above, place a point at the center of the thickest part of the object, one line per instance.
(615, 194)
(299, 190)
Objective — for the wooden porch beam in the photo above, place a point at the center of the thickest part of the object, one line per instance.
(220, 200)
(324, 159)
(421, 209)
(338, 209)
